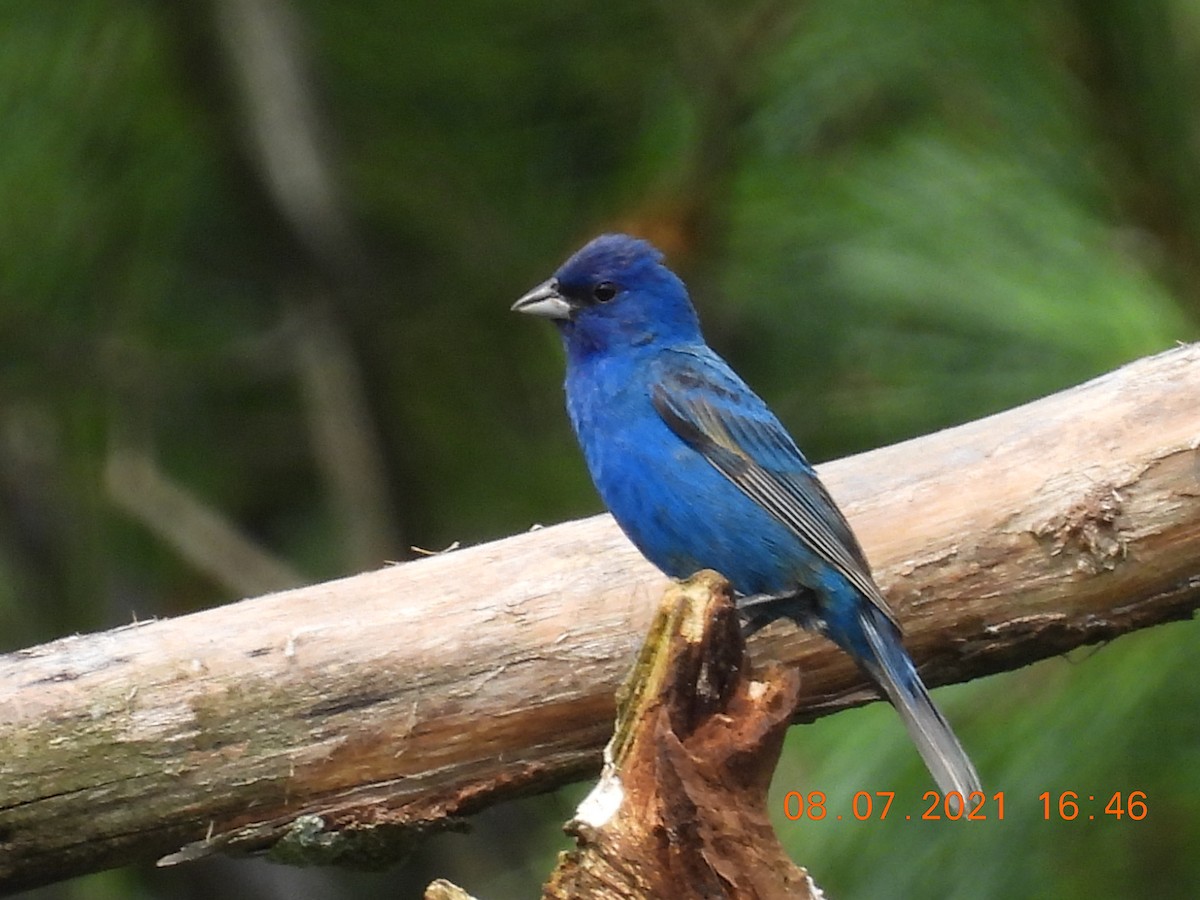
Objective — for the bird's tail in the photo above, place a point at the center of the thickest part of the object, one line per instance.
(888, 663)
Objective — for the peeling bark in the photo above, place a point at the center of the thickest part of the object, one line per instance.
(681, 807)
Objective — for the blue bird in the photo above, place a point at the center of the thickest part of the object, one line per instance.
(699, 473)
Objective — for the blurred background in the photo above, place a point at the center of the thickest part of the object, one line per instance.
(256, 258)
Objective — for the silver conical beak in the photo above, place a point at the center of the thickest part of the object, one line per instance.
(545, 301)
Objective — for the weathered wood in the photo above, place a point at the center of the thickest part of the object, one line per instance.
(681, 806)
(345, 719)
(445, 890)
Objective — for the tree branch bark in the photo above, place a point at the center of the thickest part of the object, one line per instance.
(345, 720)
(681, 806)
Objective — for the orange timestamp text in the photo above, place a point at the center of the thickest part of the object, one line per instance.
(877, 805)
(1065, 806)
(1070, 805)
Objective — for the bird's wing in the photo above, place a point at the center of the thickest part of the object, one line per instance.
(713, 411)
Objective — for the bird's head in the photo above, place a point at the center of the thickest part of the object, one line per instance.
(614, 294)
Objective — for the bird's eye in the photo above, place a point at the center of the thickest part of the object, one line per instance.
(604, 291)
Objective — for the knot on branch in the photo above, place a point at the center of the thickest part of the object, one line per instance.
(1088, 531)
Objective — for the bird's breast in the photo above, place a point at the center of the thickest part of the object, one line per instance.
(672, 503)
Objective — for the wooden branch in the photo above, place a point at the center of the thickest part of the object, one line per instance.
(681, 807)
(196, 531)
(344, 440)
(346, 719)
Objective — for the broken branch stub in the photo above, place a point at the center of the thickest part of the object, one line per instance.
(680, 809)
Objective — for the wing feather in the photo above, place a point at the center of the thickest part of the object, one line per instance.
(708, 407)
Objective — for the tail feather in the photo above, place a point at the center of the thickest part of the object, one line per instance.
(890, 666)
(870, 636)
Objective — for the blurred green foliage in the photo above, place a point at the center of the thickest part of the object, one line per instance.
(893, 216)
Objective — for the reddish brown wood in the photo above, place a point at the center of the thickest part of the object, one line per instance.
(680, 810)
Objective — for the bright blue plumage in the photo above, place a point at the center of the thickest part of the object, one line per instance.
(699, 473)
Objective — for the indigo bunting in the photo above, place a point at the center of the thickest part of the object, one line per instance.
(699, 473)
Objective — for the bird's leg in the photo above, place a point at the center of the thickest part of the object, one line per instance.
(760, 610)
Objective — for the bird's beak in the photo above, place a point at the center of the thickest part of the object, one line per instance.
(545, 301)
